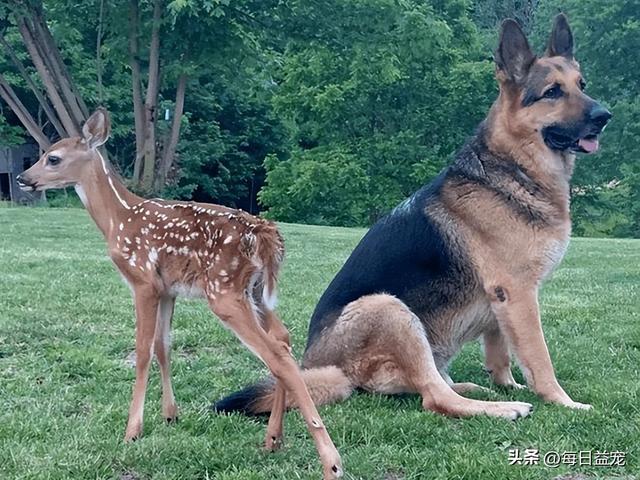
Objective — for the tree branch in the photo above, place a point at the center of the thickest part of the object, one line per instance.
(47, 79)
(51, 115)
(56, 65)
(151, 102)
(169, 151)
(9, 96)
(138, 106)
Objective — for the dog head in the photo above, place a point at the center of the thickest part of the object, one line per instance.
(543, 99)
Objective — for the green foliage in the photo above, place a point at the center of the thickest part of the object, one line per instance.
(344, 107)
(382, 91)
(397, 88)
(67, 333)
(322, 187)
(65, 198)
(10, 134)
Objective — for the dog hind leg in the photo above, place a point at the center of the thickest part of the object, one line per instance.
(381, 346)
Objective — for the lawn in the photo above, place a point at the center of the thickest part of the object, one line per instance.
(67, 332)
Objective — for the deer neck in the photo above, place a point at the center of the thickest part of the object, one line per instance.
(106, 199)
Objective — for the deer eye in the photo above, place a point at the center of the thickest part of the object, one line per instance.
(553, 92)
(53, 160)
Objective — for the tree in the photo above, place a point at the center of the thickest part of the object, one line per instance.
(344, 107)
(168, 45)
(383, 90)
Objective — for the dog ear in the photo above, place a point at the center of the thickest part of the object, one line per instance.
(513, 56)
(561, 40)
(97, 128)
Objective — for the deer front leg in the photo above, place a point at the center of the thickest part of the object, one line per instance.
(163, 354)
(516, 308)
(146, 304)
(497, 359)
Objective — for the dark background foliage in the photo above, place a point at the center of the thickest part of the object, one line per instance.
(332, 112)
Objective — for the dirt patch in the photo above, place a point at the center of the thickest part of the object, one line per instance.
(393, 476)
(130, 361)
(129, 475)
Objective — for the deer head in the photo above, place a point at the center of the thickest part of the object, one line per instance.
(66, 162)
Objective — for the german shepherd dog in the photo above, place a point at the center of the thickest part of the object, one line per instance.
(463, 257)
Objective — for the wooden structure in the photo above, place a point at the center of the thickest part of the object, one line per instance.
(13, 161)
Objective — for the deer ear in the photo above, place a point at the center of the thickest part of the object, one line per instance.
(561, 40)
(96, 129)
(513, 56)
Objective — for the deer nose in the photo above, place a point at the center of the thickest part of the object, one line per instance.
(23, 181)
(599, 116)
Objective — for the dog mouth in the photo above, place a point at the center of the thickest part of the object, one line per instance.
(588, 144)
(557, 138)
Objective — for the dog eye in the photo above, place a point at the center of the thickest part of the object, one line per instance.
(553, 92)
(53, 160)
(583, 84)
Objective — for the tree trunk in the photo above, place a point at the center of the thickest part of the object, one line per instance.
(138, 106)
(169, 151)
(47, 79)
(65, 78)
(151, 102)
(56, 66)
(51, 115)
(9, 96)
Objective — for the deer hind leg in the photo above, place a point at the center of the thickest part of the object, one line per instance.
(146, 305)
(163, 355)
(240, 316)
(389, 353)
(274, 436)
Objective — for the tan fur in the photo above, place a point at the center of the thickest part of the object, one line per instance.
(510, 254)
(325, 384)
(381, 346)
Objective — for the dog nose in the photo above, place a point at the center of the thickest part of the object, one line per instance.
(599, 116)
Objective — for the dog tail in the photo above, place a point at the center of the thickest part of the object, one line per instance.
(325, 385)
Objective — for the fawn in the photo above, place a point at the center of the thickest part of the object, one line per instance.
(164, 249)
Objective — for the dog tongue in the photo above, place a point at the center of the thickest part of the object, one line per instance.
(589, 145)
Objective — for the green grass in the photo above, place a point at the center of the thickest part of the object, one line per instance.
(66, 329)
